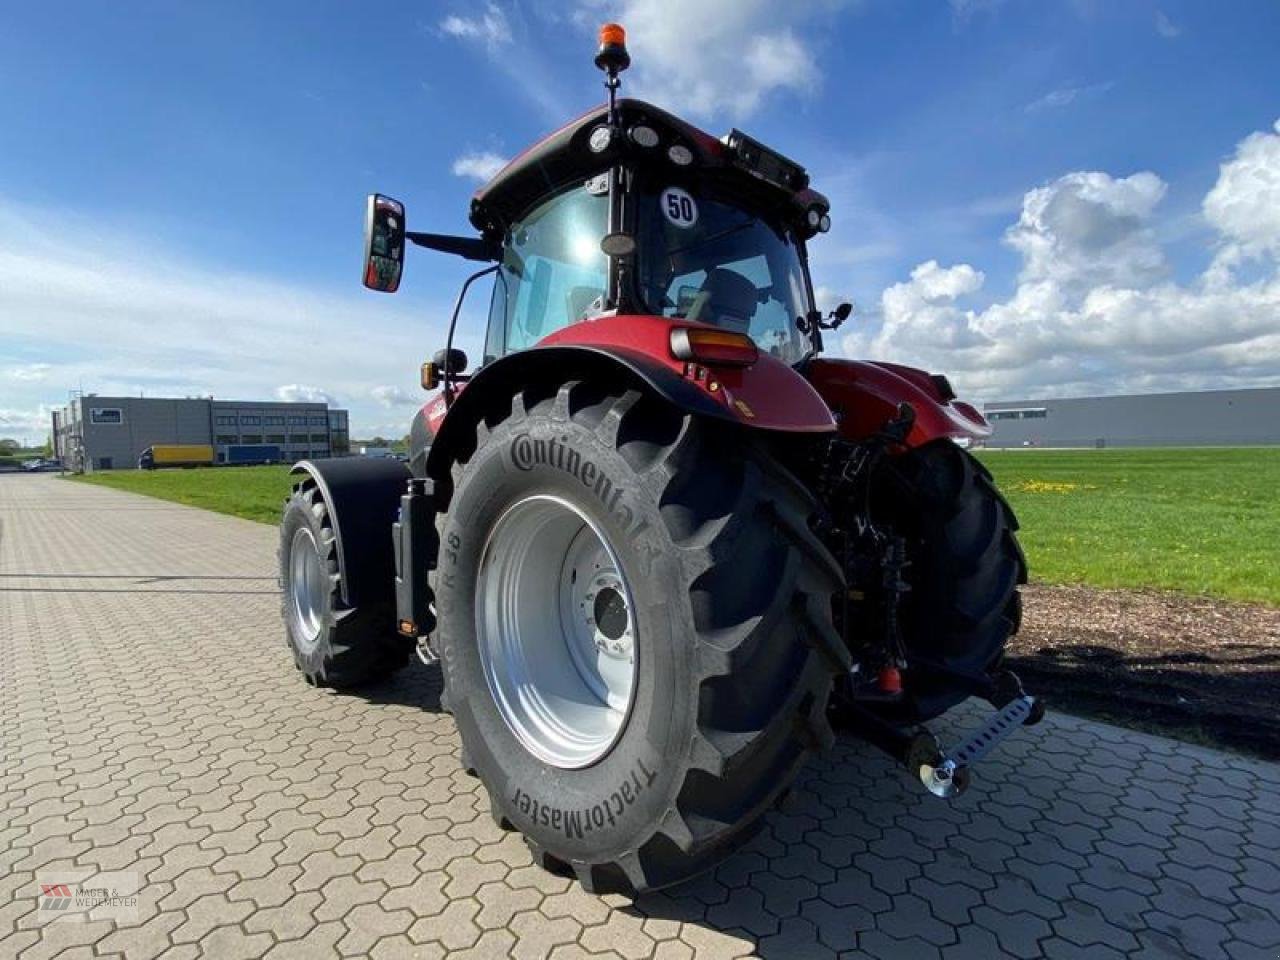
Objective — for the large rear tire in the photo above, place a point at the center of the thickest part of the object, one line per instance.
(333, 645)
(636, 728)
(965, 565)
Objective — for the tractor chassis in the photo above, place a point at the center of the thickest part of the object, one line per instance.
(944, 772)
(883, 583)
(843, 476)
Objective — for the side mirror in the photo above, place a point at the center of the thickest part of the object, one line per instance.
(455, 361)
(383, 243)
(841, 313)
(452, 362)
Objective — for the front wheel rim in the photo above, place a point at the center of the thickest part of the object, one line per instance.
(307, 589)
(556, 628)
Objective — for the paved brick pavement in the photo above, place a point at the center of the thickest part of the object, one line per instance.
(152, 723)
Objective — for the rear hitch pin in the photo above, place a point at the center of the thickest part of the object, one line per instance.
(940, 777)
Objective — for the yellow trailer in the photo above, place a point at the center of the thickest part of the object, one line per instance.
(176, 455)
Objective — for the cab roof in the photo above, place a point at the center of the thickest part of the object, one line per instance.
(564, 157)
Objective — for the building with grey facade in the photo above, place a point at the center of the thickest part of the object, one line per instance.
(1219, 418)
(110, 433)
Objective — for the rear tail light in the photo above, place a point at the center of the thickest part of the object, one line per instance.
(713, 347)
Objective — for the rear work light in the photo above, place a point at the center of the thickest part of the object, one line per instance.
(715, 348)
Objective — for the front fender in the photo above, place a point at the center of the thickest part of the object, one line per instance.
(363, 497)
(864, 395)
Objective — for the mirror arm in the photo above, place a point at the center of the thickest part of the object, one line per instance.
(470, 248)
(448, 376)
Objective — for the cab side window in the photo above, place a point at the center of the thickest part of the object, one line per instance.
(552, 274)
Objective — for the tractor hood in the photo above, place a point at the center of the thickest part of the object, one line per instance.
(567, 156)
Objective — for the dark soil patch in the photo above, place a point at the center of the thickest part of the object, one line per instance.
(1199, 669)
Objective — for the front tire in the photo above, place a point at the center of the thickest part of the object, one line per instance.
(714, 632)
(333, 645)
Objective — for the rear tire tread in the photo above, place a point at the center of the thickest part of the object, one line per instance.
(748, 746)
(966, 561)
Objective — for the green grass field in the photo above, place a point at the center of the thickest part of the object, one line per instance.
(255, 493)
(1193, 520)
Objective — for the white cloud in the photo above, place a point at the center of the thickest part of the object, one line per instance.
(933, 284)
(503, 33)
(490, 27)
(479, 166)
(117, 313)
(1095, 308)
(1166, 27)
(301, 393)
(926, 304)
(715, 56)
(1244, 205)
(29, 372)
(828, 298)
(29, 426)
(389, 396)
(1087, 229)
(1065, 96)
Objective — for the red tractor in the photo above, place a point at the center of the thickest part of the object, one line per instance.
(657, 541)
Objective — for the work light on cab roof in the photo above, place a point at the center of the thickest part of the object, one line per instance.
(655, 538)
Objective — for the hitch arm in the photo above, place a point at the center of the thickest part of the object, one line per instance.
(947, 775)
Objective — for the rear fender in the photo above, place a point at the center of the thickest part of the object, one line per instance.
(864, 395)
(363, 497)
(769, 395)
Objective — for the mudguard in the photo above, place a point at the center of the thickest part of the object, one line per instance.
(864, 395)
(363, 497)
(768, 395)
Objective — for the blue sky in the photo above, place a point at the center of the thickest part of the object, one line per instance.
(181, 188)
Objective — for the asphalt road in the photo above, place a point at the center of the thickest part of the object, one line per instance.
(156, 743)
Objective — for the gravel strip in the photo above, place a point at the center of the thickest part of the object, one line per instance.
(1202, 669)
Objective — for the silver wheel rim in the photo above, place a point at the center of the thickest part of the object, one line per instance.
(307, 589)
(556, 631)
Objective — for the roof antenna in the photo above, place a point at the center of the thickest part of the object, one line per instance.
(613, 58)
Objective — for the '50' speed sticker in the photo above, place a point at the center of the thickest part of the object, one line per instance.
(680, 209)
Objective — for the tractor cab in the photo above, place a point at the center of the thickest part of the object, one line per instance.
(631, 211)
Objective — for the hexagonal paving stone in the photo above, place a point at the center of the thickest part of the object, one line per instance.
(269, 818)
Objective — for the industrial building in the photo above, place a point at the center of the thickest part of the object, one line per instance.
(1219, 418)
(110, 433)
